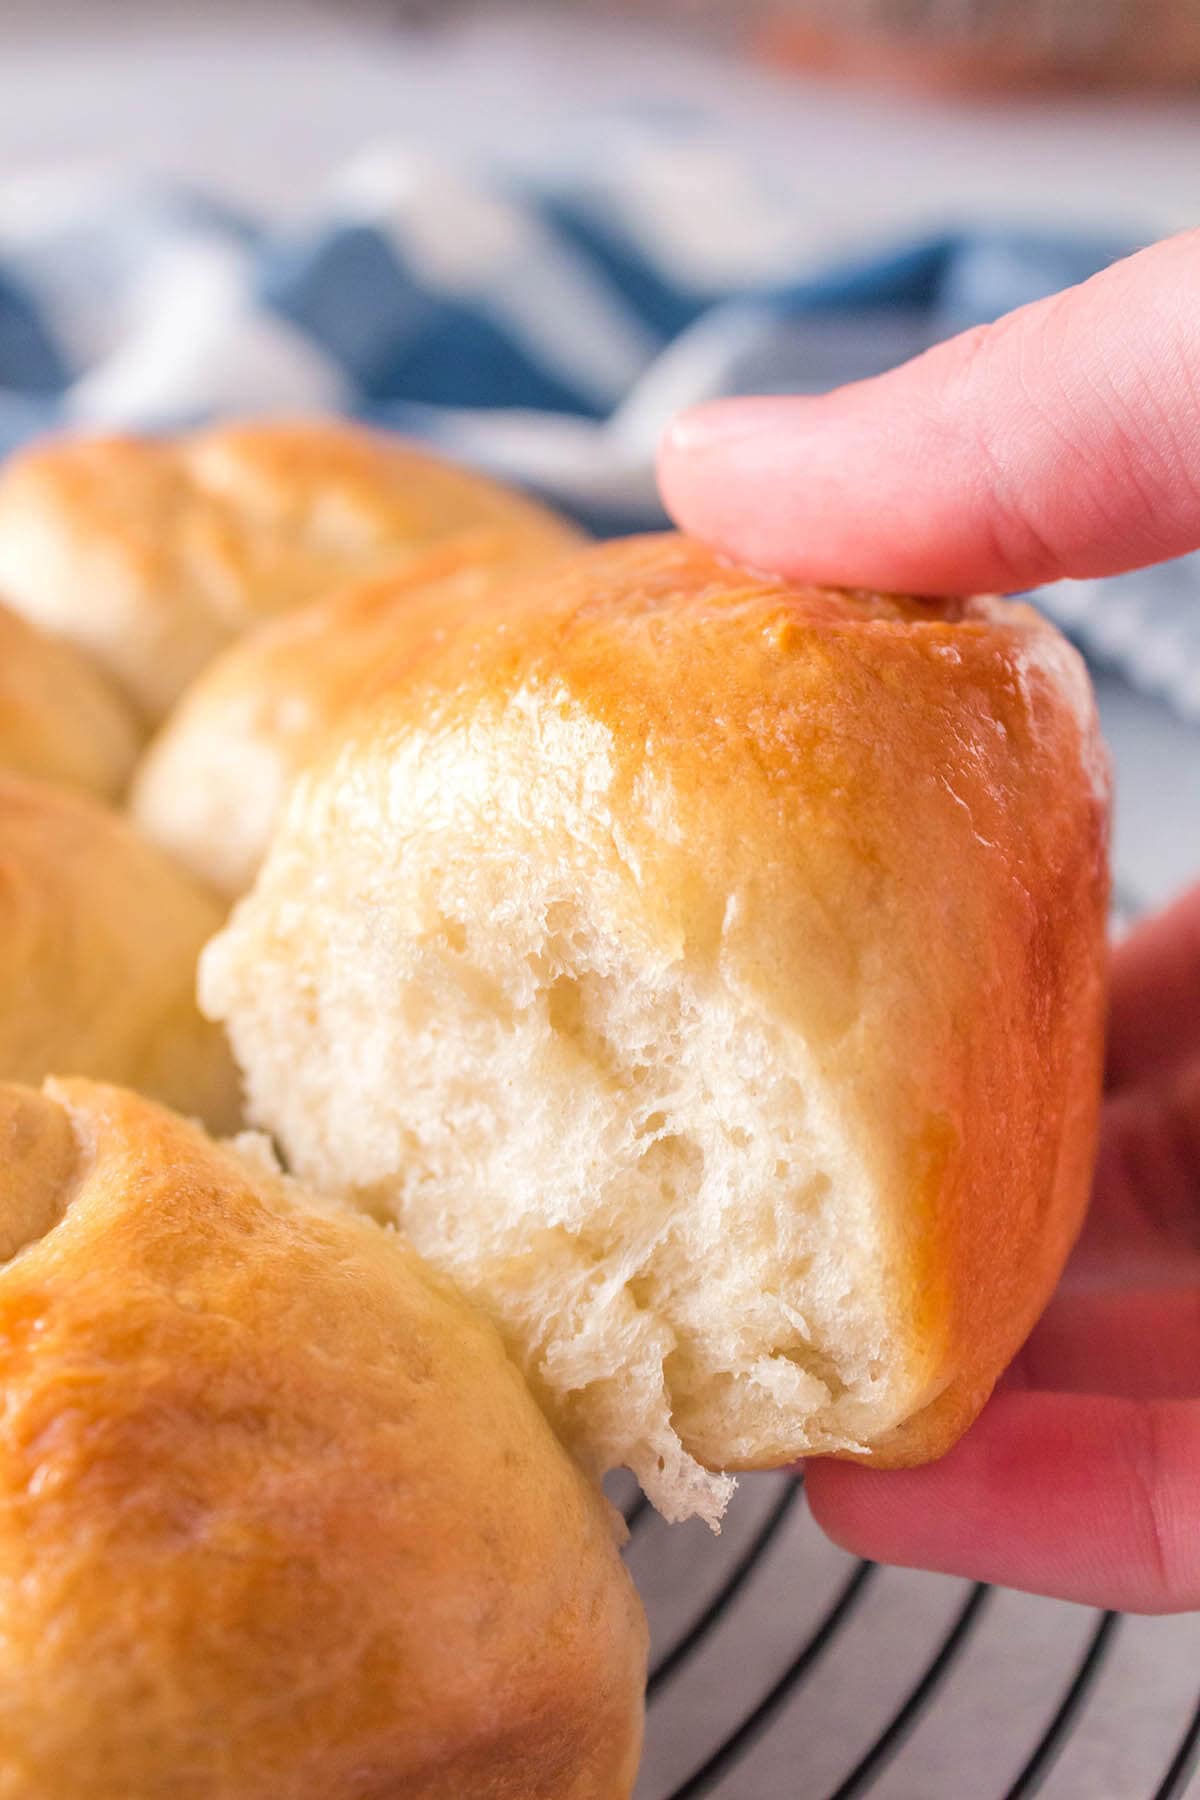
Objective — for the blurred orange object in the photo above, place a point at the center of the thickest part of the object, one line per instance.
(990, 44)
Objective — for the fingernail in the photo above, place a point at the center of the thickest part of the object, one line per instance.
(719, 423)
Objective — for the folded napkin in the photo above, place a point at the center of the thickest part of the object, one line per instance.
(543, 328)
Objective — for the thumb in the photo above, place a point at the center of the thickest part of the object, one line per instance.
(1062, 441)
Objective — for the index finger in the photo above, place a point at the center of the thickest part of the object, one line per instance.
(1062, 441)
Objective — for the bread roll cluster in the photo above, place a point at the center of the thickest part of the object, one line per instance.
(278, 1514)
(676, 995)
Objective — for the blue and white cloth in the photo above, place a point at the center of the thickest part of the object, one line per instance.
(545, 329)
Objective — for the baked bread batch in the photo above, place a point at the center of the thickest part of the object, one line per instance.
(676, 996)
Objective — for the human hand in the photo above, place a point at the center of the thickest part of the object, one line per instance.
(1062, 441)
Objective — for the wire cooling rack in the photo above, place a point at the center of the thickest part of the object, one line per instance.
(783, 1669)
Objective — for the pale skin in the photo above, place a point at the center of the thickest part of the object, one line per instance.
(1062, 441)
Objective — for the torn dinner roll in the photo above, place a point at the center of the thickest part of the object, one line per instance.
(708, 972)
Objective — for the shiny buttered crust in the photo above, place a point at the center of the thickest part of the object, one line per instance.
(278, 1518)
(99, 936)
(152, 554)
(709, 972)
(213, 782)
(61, 719)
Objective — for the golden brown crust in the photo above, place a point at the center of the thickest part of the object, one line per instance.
(881, 822)
(934, 769)
(918, 851)
(278, 1519)
(60, 719)
(154, 554)
(211, 785)
(99, 936)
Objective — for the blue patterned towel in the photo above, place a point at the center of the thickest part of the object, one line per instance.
(545, 329)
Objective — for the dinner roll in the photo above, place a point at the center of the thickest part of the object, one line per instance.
(60, 718)
(278, 1518)
(99, 935)
(707, 971)
(212, 784)
(152, 554)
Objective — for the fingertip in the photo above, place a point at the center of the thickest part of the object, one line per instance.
(885, 1515)
(718, 425)
(685, 452)
(686, 434)
(673, 470)
(840, 1499)
(1056, 442)
(1081, 1497)
(725, 477)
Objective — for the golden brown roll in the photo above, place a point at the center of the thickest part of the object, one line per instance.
(278, 1518)
(60, 718)
(709, 972)
(152, 554)
(99, 935)
(211, 786)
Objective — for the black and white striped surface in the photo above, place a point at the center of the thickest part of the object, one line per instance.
(784, 1669)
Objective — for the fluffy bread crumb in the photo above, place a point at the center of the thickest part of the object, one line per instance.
(571, 1122)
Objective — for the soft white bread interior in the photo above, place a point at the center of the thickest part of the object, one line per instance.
(61, 719)
(279, 1520)
(213, 782)
(152, 554)
(99, 935)
(709, 973)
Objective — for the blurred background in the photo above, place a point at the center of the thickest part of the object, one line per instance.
(531, 231)
(1069, 111)
(528, 233)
